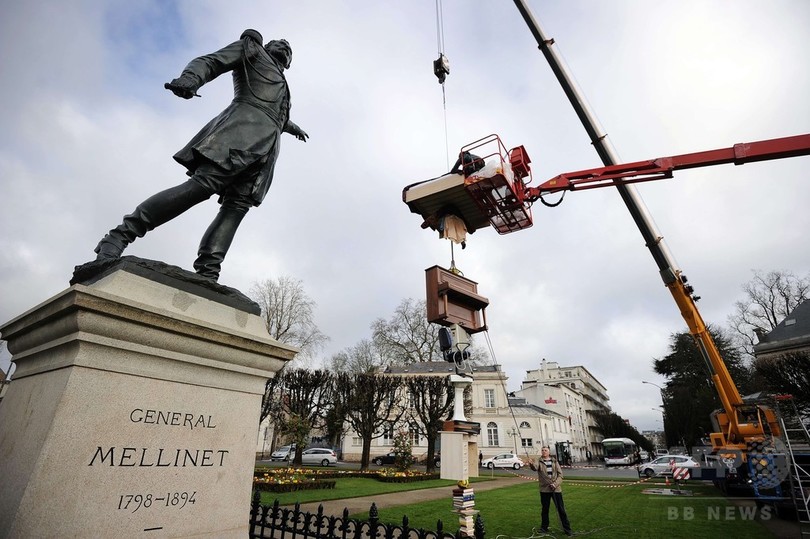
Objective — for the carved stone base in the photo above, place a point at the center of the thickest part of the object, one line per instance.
(133, 412)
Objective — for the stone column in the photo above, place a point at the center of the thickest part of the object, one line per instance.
(133, 412)
(459, 437)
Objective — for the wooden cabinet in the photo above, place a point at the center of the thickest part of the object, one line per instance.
(453, 299)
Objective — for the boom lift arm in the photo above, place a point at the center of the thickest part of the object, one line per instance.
(739, 422)
(663, 167)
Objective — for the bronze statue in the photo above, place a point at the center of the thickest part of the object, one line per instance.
(233, 156)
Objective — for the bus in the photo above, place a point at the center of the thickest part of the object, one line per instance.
(619, 451)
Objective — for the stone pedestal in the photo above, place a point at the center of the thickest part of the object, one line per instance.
(133, 413)
(459, 437)
(459, 455)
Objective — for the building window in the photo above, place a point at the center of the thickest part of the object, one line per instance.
(526, 442)
(357, 441)
(489, 399)
(492, 434)
(414, 432)
(525, 425)
(388, 434)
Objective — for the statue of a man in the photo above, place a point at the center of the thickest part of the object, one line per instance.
(233, 156)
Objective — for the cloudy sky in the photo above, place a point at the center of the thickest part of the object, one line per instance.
(88, 132)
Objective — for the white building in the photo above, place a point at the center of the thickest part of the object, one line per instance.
(507, 424)
(572, 392)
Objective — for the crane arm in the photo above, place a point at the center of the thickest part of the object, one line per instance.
(663, 167)
(735, 427)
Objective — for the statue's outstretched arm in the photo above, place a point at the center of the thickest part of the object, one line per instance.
(293, 129)
(205, 69)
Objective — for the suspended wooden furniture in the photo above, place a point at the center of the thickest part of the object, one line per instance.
(453, 299)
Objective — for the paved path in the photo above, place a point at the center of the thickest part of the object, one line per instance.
(359, 505)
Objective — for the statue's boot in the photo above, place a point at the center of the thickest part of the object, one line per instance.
(216, 241)
(151, 213)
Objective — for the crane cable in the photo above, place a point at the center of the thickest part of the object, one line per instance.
(511, 410)
(441, 68)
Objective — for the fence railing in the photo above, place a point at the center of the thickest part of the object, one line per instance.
(274, 521)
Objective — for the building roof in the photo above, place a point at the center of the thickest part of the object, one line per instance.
(520, 407)
(792, 332)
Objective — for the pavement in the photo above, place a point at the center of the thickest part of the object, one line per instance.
(360, 505)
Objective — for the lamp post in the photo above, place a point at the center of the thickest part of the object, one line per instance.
(661, 391)
(513, 433)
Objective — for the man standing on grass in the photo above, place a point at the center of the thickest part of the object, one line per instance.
(550, 477)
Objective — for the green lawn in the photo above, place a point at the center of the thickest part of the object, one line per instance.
(598, 509)
(595, 511)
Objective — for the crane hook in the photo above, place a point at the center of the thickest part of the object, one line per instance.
(441, 67)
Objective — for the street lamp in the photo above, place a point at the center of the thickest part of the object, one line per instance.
(662, 408)
(513, 433)
(661, 391)
(656, 385)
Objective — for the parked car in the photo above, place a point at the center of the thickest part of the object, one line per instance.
(283, 453)
(663, 465)
(644, 455)
(385, 459)
(504, 460)
(319, 455)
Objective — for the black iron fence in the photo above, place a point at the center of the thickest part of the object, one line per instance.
(274, 521)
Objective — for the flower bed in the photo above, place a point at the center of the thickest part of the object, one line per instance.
(395, 476)
(302, 475)
(290, 480)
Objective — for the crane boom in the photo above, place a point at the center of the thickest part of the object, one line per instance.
(736, 424)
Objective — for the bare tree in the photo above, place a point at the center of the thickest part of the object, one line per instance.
(288, 313)
(296, 400)
(372, 402)
(407, 337)
(431, 400)
(365, 356)
(788, 373)
(770, 297)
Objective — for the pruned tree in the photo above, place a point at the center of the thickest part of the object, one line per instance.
(372, 403)
(289, 314)
(769, 299)
(296, 403)
(431, 399)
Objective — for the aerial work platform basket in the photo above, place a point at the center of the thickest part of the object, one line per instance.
(488, 190)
